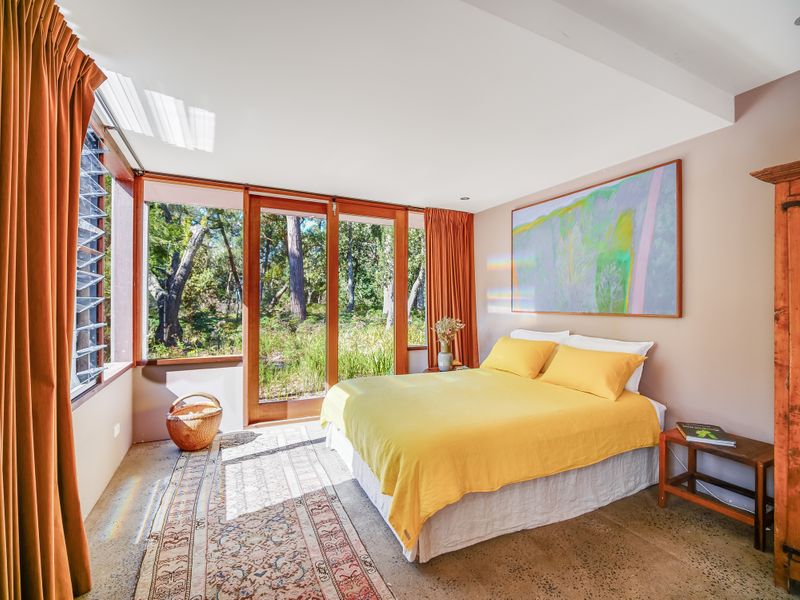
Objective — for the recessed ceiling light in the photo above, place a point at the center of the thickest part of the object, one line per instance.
(464, 198)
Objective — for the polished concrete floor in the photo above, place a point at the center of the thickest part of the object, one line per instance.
(629, 549)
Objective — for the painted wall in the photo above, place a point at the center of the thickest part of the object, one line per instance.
(417, 361)
(102, 427)
(155, 388)
(715, 363)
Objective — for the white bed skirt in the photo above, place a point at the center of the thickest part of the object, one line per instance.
(482, 516)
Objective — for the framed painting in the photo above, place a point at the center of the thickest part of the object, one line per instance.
(610, 249)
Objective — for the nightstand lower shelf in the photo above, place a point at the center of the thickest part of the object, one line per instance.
(753, 453)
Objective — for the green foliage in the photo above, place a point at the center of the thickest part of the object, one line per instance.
(210, 312)
(292, 352)
(369, 247)
(291, 357)
(108, 185)
(292, 363)
(366, 346)
(416, 268)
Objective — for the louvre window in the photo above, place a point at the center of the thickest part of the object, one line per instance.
(90, 337)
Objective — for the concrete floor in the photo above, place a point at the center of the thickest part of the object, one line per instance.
(629, 549)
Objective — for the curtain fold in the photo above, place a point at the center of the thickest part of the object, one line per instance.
(46, 97)
(450, 286)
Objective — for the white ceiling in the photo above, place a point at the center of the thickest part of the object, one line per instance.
(424, 101)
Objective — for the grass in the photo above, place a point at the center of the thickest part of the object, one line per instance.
(293, 354)
(201, 337)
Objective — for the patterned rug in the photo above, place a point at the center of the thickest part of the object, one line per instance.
(255, 516)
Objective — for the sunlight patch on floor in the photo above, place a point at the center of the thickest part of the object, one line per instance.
(258, 473)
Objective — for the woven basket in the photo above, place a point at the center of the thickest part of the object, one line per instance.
(193, 426)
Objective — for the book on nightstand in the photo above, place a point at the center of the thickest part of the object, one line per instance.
(705, 434)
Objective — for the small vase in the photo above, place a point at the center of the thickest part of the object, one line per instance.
(445, 356)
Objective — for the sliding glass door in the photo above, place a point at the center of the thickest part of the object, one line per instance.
(324, 282)
(286, 308)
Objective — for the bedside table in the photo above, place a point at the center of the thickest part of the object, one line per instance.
(752, 453)
(455, 368)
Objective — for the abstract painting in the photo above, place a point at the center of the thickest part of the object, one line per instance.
(611, 249)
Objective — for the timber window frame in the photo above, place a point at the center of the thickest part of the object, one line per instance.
(251, 198)
(195, 203)
(104, 343)
(333, 208)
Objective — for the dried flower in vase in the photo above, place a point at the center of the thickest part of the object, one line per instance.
(447, 327)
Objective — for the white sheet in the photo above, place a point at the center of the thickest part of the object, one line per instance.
(482, 516)
(661, 410)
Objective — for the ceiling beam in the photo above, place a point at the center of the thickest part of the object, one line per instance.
(564, 26)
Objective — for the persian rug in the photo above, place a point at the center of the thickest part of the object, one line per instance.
(255, 516)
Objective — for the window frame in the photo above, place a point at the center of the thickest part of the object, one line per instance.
(121, 175)
(251, 197)
(141, 294)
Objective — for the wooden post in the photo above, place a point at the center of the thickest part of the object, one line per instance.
(786, 179)
(332, 342)
(138, 275)
(401, 292)
(761, 508)
(662, 469)
(251, 309)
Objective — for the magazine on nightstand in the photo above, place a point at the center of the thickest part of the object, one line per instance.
(705, 434)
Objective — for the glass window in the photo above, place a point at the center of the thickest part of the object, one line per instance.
(118, 267)
(92, 294)
(294, 288)
(366, 296)
(194, 271)
(417, 328)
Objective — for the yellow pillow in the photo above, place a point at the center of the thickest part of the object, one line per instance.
(594, 371)
(523, 357)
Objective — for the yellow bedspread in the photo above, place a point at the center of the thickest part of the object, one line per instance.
(433, 437)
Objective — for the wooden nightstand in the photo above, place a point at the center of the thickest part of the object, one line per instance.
(458, 367)
(752, 453)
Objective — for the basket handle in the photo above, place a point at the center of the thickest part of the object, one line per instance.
(183, 398)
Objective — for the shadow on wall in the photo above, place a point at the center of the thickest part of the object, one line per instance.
(155, 388)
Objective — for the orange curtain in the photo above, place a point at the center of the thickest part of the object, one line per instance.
(450, 286)
(46, 97)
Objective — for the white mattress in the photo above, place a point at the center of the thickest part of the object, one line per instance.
(482, 516)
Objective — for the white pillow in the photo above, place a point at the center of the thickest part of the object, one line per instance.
(559, 337)
(593, 343)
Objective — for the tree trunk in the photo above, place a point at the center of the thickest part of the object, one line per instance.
(176, 282)
(264, 265)
(351, 274)
(231, 261)
(388, 286)
(412, 295)
(276, 298)
(388, 302)
(294, 245)
(157, 292)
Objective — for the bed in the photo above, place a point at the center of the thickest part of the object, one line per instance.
(452, 459)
